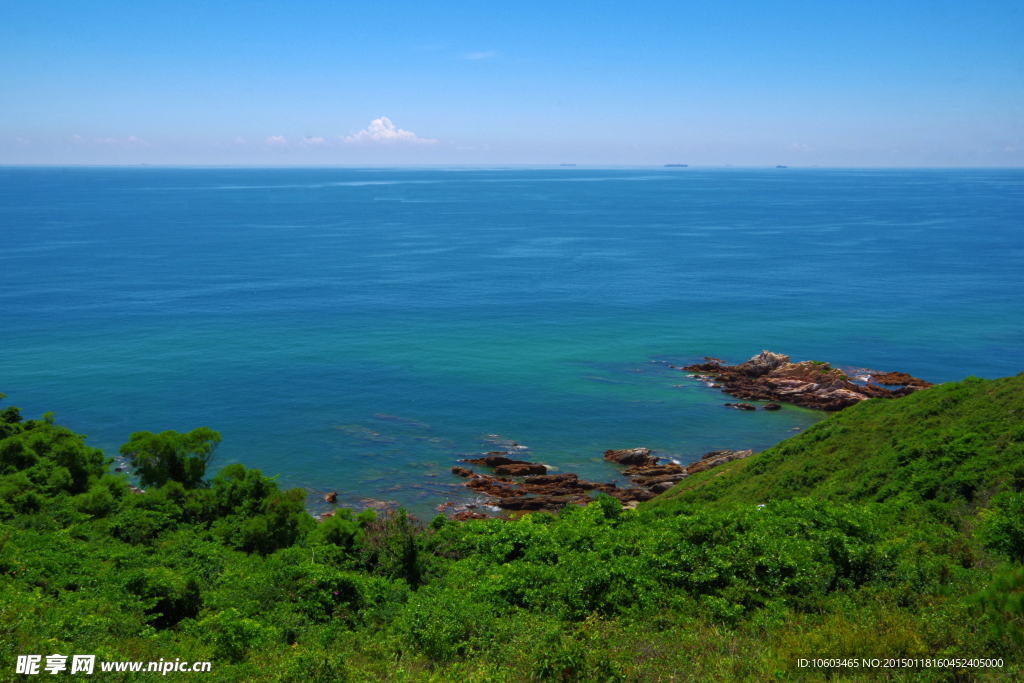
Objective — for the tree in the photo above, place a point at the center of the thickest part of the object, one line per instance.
(169, 456)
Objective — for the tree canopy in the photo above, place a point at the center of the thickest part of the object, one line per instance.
(170, 456)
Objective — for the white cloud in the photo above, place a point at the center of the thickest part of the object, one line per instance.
(77, 138)
(489, 54)
(138, 142)
(239, 141)
(382, 130)
(22, 141)
(276, 140)
(313, 142)
(106, 141)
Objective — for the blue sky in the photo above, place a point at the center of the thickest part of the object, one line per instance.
(307, 83)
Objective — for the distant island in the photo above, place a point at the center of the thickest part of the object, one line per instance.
(782, 167)
(567, 164)
(676, 166)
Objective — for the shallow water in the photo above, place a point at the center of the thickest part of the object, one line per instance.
(359, 330)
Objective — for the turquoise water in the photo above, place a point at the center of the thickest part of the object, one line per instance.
(360, 330)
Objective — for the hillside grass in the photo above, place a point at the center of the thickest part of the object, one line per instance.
(946, 448)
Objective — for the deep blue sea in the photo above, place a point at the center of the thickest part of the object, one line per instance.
(360, 330)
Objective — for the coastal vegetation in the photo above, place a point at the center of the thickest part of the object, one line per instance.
(890, 530)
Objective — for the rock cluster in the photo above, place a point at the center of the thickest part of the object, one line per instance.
(539, 491)
(632, 456)
(813, 384)
(494, 459)
(521, 469)
(660, 478)
(716, 458)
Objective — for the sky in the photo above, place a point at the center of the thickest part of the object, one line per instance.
(747, 83)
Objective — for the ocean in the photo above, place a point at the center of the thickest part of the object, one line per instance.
(360, 330)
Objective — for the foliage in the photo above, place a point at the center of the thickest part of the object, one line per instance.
(891, 529)
(170, 456)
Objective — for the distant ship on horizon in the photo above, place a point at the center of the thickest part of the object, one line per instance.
(676, 166)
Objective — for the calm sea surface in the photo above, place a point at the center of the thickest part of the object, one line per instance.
(360, 330)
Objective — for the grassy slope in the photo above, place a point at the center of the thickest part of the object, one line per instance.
(951, 445)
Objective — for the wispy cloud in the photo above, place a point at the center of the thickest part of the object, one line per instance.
(106, 141)
(23, 141)
(383, 131)
(277, 140)
(489, 54)
(239, 141)
(138, 142)
(314, 142)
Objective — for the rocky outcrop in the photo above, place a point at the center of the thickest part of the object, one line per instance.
(762, 364)
(494, 486)
(716, 458)
(634, 494)
(901, 379)
(550, 479)
(520, 469)
(740, 406)
(492, 460)
(631, 456)
(466, 515)
(462, 471)
(772, 406)
(813, 384)
(653, 471)
(331, 497)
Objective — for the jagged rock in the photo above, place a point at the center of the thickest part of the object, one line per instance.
(631, 456)
(741, 406)
(813, 384)
(466, 515)
(715, 454)
(494, 461)
(550, 479)
(772, 406)
(462, 471)
(331, 497)
(521, 469)
(762, 364)
(651, 481)
(493, 486)
(898, 379)
(716, 458)
(657, 470)
(632, 494)
(661, 487)
(497, 453)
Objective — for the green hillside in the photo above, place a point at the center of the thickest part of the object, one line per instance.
(947, 448)
(894, 529)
